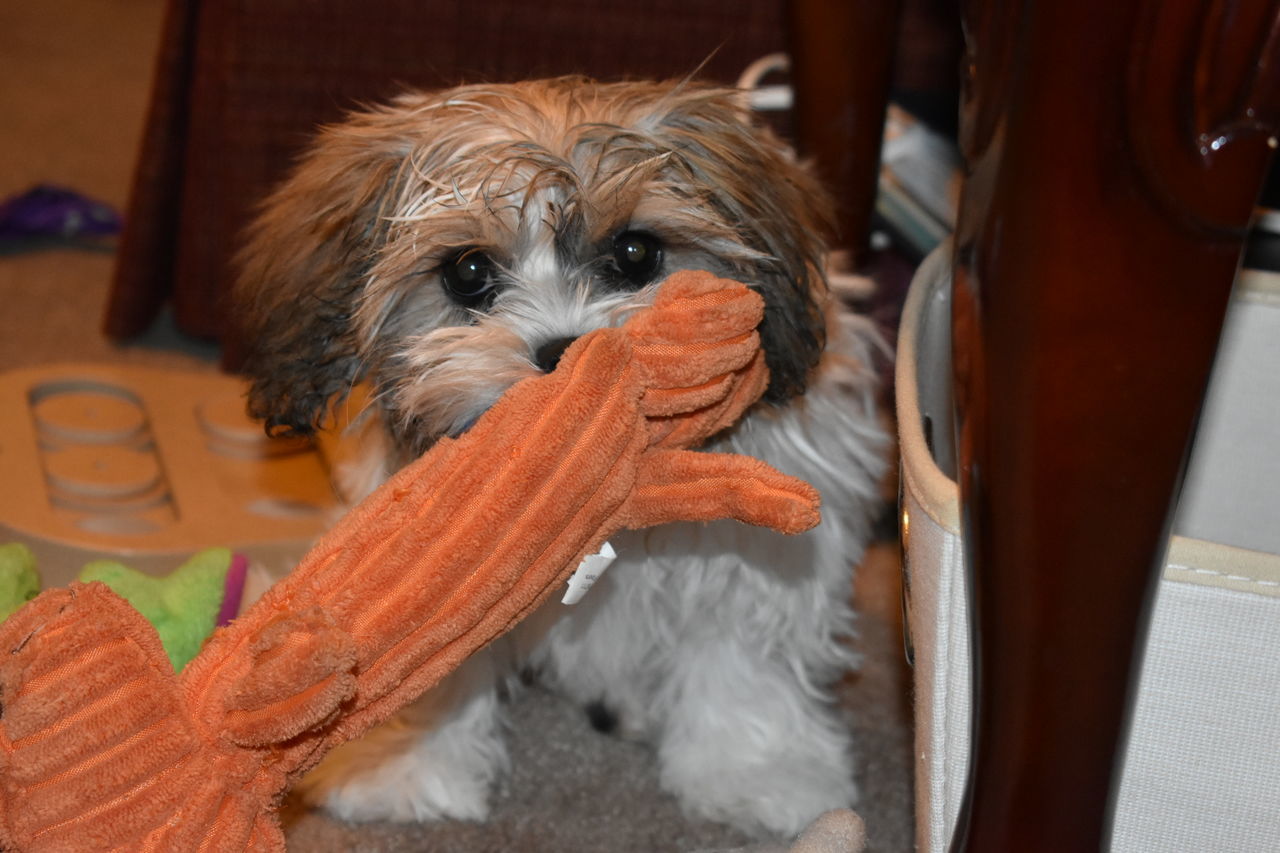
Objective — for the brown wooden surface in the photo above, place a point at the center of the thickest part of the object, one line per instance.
(841, 62)
(145, 260)
(1115, 151)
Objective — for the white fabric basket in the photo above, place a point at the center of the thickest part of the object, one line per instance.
(1202, 772)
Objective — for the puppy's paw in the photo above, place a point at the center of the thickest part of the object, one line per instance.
(402, 774)
(777, 800)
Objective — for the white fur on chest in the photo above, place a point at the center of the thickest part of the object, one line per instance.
(680, 585)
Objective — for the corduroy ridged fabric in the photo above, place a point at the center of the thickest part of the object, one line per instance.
(445, 557)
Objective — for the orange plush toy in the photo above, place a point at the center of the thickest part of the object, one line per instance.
(103, 747)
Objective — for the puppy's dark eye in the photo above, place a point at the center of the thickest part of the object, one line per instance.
(638, 256)
(469, 277)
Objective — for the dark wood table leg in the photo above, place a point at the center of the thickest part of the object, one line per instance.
(841, 62)
(144, 269)
(1114, 152)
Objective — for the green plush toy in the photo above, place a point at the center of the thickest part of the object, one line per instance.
(19, 580)
(183, 606)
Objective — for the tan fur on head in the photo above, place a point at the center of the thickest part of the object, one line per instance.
(341, 277)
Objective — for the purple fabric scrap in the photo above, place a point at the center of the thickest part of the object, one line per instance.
(233, 589)
(48, 211)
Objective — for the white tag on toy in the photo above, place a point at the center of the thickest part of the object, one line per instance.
(587, 573)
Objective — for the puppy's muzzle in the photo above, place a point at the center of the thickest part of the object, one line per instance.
(547, 356)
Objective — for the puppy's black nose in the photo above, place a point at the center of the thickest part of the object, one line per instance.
(548, 355)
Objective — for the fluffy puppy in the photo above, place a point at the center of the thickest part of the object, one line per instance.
(447, 245)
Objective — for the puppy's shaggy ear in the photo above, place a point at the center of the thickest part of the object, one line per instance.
(790, 224)
(780, 211)
(303, 268)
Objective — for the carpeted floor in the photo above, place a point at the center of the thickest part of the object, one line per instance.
(74, 76)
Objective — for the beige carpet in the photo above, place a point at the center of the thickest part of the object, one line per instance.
(74, 77)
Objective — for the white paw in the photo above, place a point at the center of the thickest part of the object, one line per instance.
(422, 781)
(763, 799)
(420, 765)
(768, 765)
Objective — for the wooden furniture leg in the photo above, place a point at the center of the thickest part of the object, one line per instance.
(1114, 152)
(841, 62)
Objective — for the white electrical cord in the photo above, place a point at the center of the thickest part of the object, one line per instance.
(775, 98)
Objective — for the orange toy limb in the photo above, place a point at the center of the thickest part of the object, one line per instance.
(102, 747)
